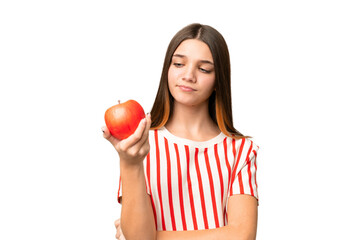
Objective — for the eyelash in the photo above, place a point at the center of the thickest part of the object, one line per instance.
(204, 70)
(201, 69)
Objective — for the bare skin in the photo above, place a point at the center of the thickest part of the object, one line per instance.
(191, 82)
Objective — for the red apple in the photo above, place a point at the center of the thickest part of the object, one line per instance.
(122, 119)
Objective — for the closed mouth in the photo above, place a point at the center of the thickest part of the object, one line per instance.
(186, 88)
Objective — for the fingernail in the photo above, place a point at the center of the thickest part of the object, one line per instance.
(102, 129)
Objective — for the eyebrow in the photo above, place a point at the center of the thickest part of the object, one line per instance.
(202, 61)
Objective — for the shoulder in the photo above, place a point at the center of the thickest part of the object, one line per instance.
(252, 144)
(246, 146)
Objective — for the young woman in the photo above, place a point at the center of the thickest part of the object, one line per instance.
(187, 173)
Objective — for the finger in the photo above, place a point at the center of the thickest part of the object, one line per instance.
(118, 233)
(148, 124)
(136, 136)
(107, 135)
(117, 223)
(145, 135)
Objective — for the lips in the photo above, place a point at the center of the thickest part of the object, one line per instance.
(186, 88)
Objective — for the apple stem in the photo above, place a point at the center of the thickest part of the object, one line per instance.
(119, 101)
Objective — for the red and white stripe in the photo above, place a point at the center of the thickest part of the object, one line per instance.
(190, 182)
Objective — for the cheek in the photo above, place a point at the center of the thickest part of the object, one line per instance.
(170, 75)
(209, 83)
(171, 80)
(173, 74)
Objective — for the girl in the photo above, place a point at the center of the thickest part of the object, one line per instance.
(186, 172)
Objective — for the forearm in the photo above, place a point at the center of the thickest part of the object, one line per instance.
(136, 214)
(226, 232)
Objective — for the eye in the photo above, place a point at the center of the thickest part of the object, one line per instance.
(204, 70)
(178, 64)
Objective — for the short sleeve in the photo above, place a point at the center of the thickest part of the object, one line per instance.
(243, 180)
(119, 195)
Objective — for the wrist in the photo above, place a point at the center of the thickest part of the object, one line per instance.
(131, 169)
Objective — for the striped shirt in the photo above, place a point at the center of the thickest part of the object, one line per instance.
(190, 182)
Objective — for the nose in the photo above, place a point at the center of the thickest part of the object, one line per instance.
(189, 74)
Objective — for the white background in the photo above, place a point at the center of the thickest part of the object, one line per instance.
(295, 74)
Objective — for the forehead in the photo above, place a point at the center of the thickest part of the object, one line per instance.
(196, 49)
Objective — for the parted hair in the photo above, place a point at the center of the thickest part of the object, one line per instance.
(220, 108)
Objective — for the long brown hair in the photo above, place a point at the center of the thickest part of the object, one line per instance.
(220, 108)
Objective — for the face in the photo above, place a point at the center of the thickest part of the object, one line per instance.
(191, 75)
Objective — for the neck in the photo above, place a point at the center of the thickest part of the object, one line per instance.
(192, 122)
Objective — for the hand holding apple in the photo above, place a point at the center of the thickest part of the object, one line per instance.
(122, 119)
(132, 147)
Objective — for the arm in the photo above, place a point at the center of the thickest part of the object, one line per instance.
(136, 214)
(242, 223)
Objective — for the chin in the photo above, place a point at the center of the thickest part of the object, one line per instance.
(190, 102)
(188, 99)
